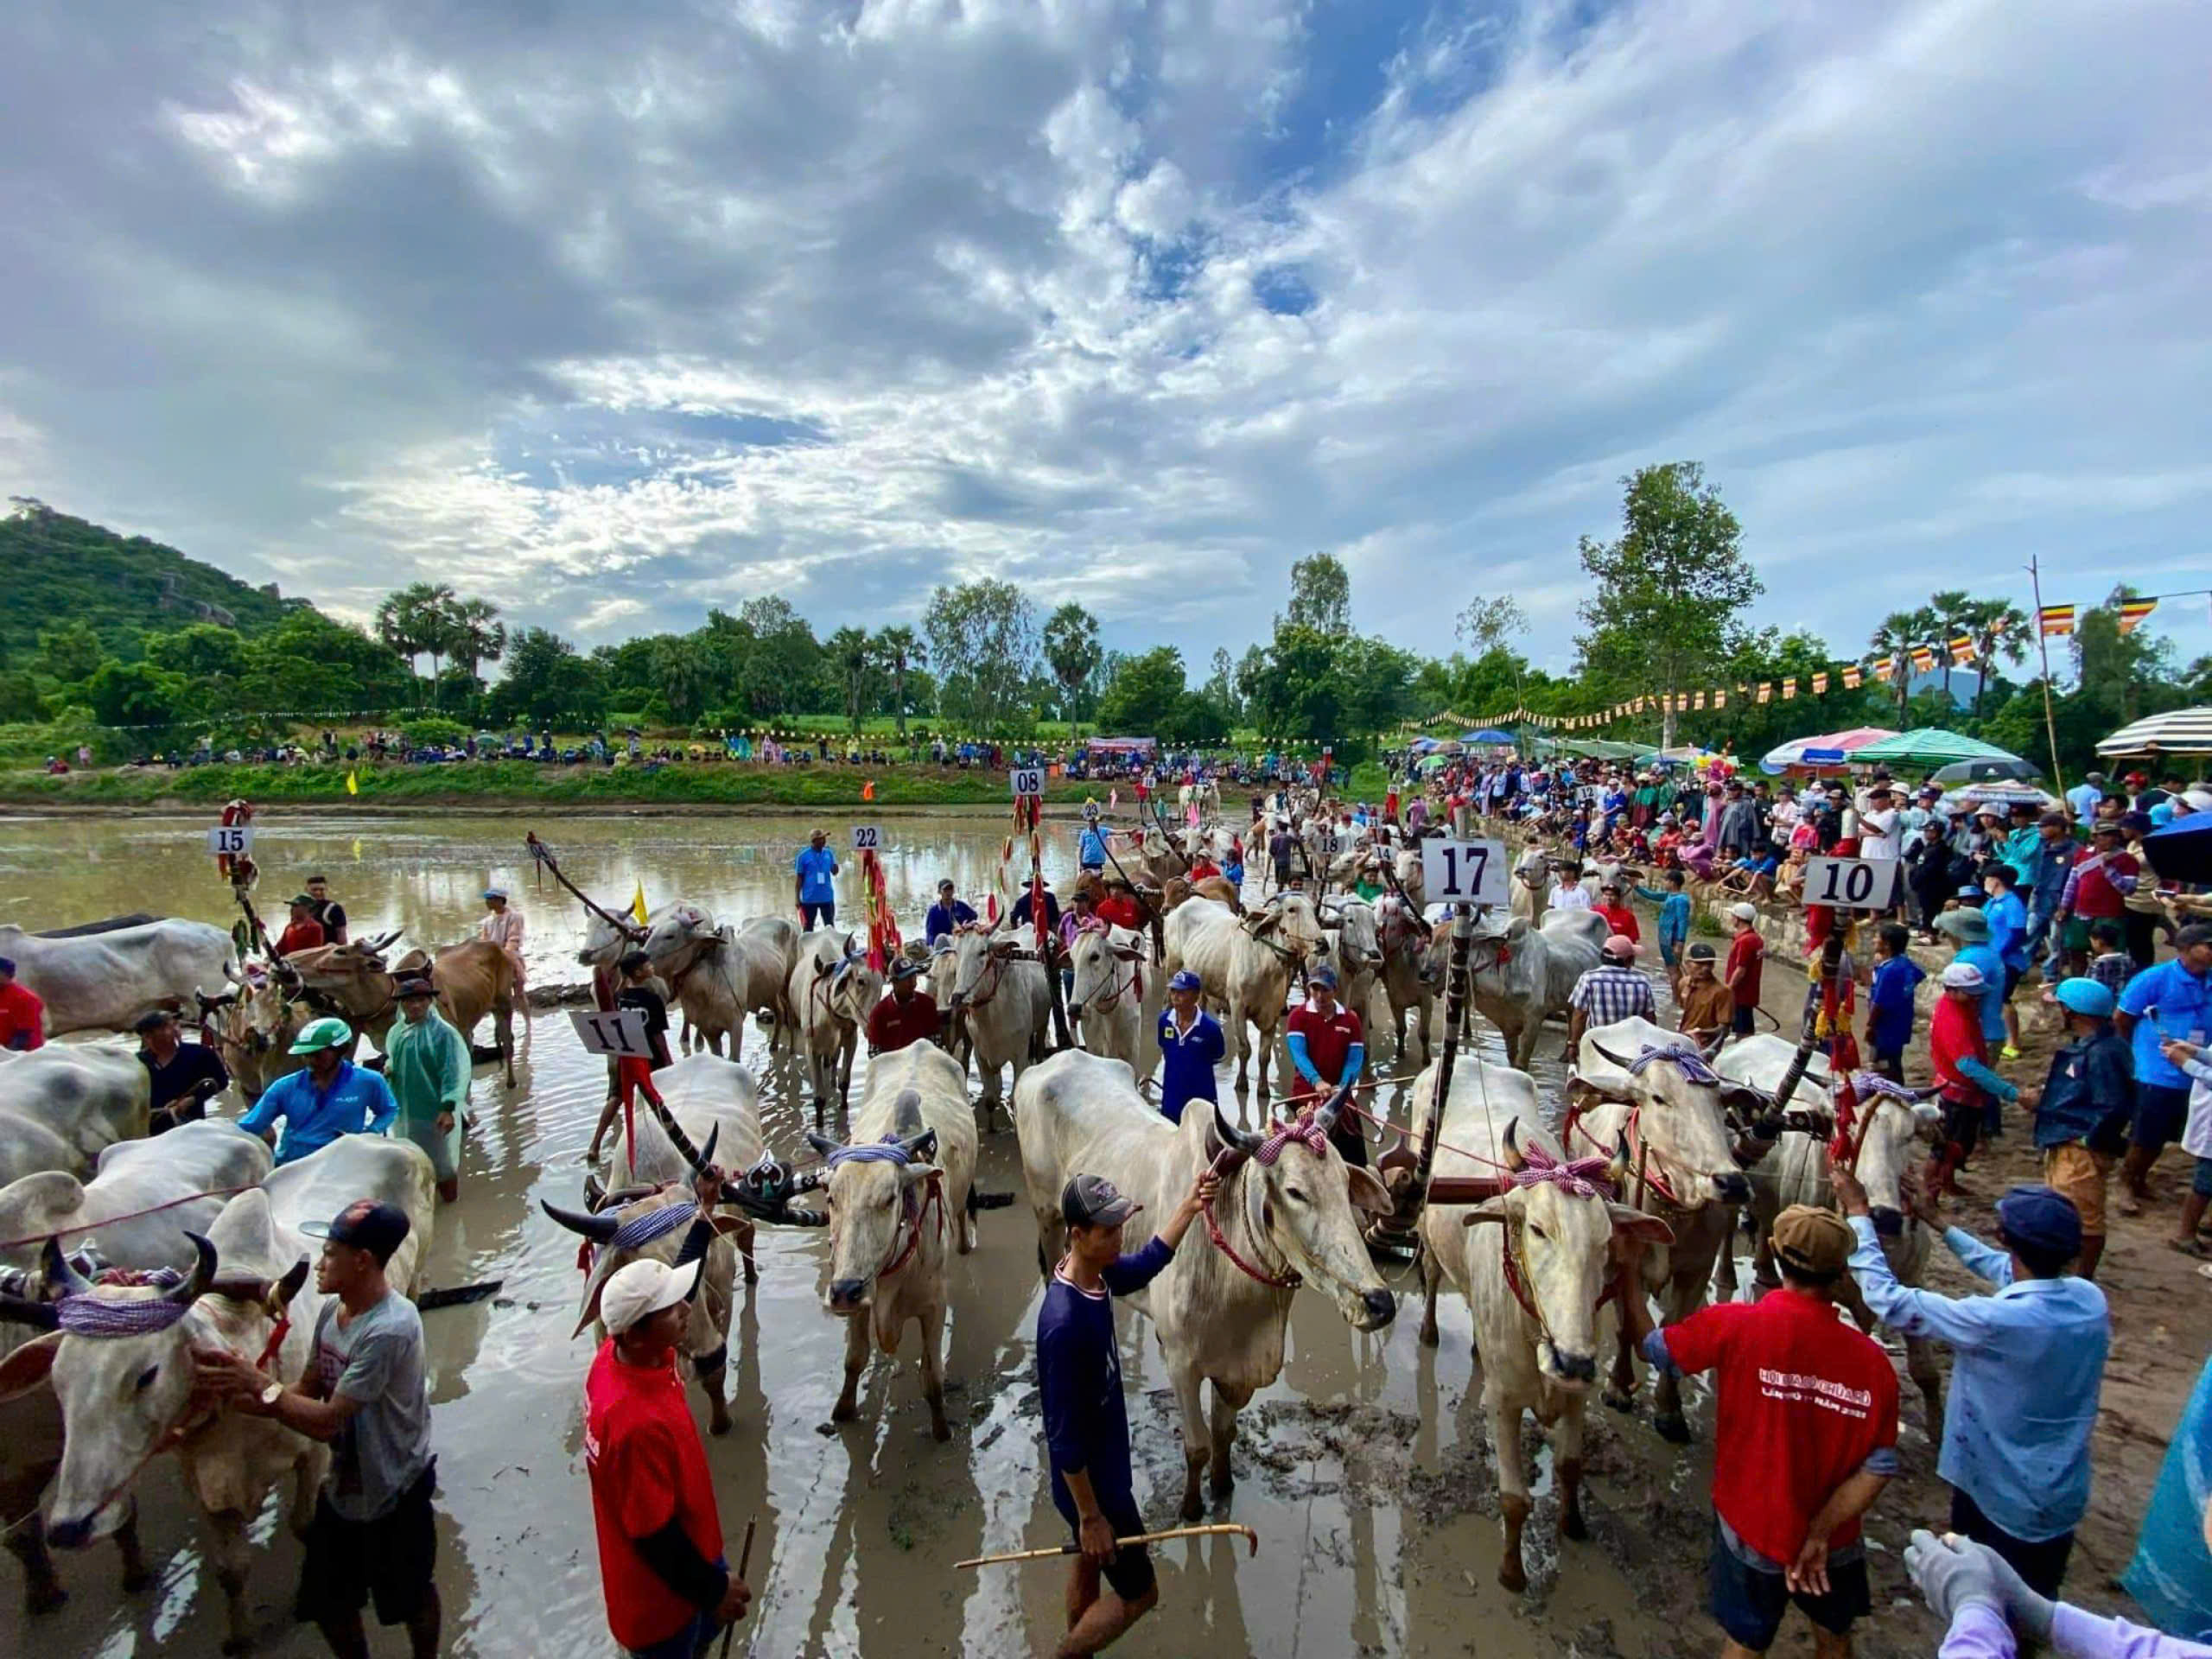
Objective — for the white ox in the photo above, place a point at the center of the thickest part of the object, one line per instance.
(1534, 1286)
(1216, 1323)
(1001, 1003)
(720, 974)
(105, 981)
(831, 991)
(895, 1223)
(1411, 881)
(1404, 942)
(1247, 963)
(253, 1028)
(1351, 943)
(1796, 1171)
(62, 1105)
(713, 1101)
(123, 1397)
(1684, 1172)
(1520, 976)
(108, 1214)
(1108, 1002)
(1532, 876)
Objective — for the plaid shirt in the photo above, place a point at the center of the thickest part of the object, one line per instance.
(1608, 994)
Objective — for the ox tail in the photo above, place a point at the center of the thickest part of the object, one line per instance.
(978, 1199)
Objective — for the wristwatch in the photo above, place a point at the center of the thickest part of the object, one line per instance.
(272, 1394)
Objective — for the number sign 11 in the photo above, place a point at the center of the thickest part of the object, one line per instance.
(619, 1031)
(1464, 872)
(1851, 883)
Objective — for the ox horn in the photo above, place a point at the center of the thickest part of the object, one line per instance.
(1514, 1160)
(598, 1228)
(697, 1160)
(202, 1274)
(1324, 1117)
(1608, 1054)
(1243, 1142)
(21, 1310)
(820, 1143)
(922, 1148)
(62, 1274)
(1719, 1042)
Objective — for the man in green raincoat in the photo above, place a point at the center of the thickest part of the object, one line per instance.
(427, 1064)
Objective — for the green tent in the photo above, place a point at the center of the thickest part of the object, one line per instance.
(1927, 747)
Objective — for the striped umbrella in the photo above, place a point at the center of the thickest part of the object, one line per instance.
(2184, 731)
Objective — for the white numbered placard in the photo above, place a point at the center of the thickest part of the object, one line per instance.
(1851, 883)
(866, 838)
(1027, 780)
(619, 1031)
(1464, 872)
(231, 839)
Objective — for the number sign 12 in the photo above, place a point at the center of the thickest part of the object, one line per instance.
(1851, 883)
(1464, 872)
(1027, 780)
(866, 838)
(231, 838)
(619, 1031)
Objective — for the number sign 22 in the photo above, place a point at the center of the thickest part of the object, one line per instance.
(1851, 883)
(1464, 872)
(619, 1031)
(866, 838)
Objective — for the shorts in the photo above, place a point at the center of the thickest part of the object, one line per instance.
(1283, 875)
(1130, 1574)
(1750, 1603)
(825, 910)
(2200, 1182)
(1740, 1022)
(2074, 934)
(686, 1643)
(2080, 1175)
(2160, 1112)
(391, 1559)
(2011, 979)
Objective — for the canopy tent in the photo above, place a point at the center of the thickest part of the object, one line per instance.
(1986, 772)
(1998, 794)
(1488, 734)
(1927, 747)
(1822, 749)
(1682, 755)
(1422, 745)
(2184, 731)
(1596, 749)
(2183, 851)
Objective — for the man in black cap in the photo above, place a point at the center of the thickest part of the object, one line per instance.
(2027, 1365)
(1086, 1419)
(186, 1076)
(373, 1532)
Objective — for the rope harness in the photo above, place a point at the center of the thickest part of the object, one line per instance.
(639, 1231)
(892, 1150)
(41, 1237)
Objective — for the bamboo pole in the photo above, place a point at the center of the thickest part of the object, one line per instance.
(2042, 645)
(1060, 1551)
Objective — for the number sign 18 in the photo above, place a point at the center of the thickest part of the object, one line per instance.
(619, 1031)
(231, 838)
(866, 838)
(1851, 883)
(1464, 872)
(1027, 780)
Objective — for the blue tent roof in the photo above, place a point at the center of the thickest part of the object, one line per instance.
(1488, 734)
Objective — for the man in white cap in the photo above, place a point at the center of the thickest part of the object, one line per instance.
(661, 1558)
(1746, 963)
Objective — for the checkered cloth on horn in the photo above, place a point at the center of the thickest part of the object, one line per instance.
(1692, 1063)
(89, 1315)
(1611, 993)
(1867, 1084)
(641, 1230)
(889, 1150)
(1579, 1178)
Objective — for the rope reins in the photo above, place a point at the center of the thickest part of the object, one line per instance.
(133, 1215)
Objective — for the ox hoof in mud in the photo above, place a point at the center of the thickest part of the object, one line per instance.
(1619, 1400)
(1672, 1426)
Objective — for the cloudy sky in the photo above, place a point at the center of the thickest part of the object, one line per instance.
(617, 311)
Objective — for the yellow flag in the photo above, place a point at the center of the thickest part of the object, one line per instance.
(637, 904)
(352, 784)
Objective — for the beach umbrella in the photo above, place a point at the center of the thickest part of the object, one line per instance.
(1927, 747)
(1986, 772)
(2183, 851)
(1833, 748)
(1433, 763)
(2184, 731)
(1488, 734)
(2001, 793)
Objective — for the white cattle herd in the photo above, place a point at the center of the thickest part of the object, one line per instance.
(1650, 1141)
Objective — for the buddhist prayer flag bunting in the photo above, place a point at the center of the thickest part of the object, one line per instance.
(1851, 678)
(1963, 648)
(2055, 620)
(1923, 659)
(1789, 689)
(1820, 685)
(2134, 612)
(1766, 691)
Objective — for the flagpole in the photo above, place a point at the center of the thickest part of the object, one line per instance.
(2043, 645)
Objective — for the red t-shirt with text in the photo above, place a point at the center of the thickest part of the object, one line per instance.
(1747, 956)
(1805, 1400)
(646, 1465)
(1328, 1042)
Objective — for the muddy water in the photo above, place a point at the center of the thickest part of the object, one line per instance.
(1363, 1470)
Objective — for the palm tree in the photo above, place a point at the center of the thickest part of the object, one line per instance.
(418, 621)
(850, 649)
(1900, 631)
(1071, 649)
(897, 650)
(478, 637)
(1953, 608)
(2001, 632)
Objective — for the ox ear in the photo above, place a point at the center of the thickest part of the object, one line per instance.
(289, 1286)
(1517, 931)
(1634, 1224)
(724, 1223)
(1489, 1210)
(1367, 1191)
(28, 1367)
(1927, 1114)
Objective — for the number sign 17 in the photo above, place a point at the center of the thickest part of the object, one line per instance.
(1851, 883)
(1464, 872)
(1027, 780)
(619, 1031)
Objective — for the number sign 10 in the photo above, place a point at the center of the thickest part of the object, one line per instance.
(619, 1031)
(1027, 780)
(231, 838)
(1464, 872)
(1851, 883)
(866, 838)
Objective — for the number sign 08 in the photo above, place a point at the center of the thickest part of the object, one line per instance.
(1464, 872)
(1027, 780)
(1851, 883)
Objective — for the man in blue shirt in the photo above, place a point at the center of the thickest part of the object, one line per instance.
(2008, 937)
(947, 915)
(1889, 1000)
(2026, 1367)
(2084, 796)
(817, 889)
(2082, 1119)
(1673, 921)
(1191, 1044)
(332, 1097)
(2171, 1003)
(1086, 1419)
(1090, 851)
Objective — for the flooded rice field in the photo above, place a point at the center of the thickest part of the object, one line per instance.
(1364, 1469)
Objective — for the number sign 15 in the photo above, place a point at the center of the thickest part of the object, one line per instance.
(866, 838)
(1851, 883)
(231, 838)
(1464, 872)
(1027, 780)
(619, 1031)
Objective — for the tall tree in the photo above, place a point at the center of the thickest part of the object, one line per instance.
(1951, 611)
(1669, 587)
(899, 650)
(982, 637)
(2001, 632)
(1494, 624)
(1894, 636)
(1071, 648)
(478, 636)
(1222, 688)
(417, 621)
(1320, 595)
(1145, 696)
(850, 653)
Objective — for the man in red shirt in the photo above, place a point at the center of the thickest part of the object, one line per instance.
(906, 1016)
(1120, 907)
(1328, 1049)
(2096, 890)
(1746, 959)
(1805, 1436)
(23, 1014)
(1612, 905)
(303, 933)
(661, 1559)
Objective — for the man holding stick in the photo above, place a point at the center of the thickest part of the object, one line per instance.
(1086, 1419)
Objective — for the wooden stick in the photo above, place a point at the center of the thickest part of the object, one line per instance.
(744, 1557)
(1217, 1529)
(543, 856)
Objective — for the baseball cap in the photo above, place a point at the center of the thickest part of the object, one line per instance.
(640, 1289)
(300, 899)
(1323, 977)
(1094, 1201)
(2085, 996)
(1812, 1240)
(945, 886)
(495, 893)
(1962, 976)
(2041, 1220)
(152, 1019)
(367, 1224)
(1185, 980)
(1702, 952)
(1744, 911)
(906, 967)
(1621, 947)
(328, 1032)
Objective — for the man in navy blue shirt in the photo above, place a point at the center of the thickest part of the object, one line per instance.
(947, 915)
(1190, 1045)
(1086, 1419)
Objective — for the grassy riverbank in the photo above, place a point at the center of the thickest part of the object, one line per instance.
(518, 783)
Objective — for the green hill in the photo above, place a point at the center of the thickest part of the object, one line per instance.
(64, 570)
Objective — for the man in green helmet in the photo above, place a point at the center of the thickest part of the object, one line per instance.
(332, 1097)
